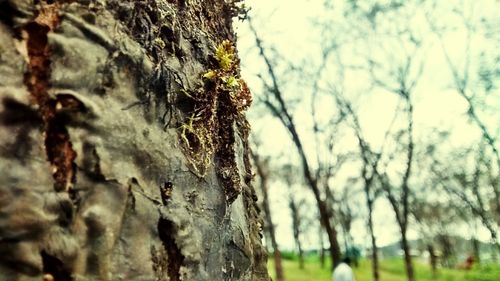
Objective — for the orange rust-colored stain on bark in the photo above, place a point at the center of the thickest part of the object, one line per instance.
(57, 142)
(37, 79)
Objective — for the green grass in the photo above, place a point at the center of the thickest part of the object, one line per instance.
(390, 270)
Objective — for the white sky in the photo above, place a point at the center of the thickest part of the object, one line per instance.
(287, 27)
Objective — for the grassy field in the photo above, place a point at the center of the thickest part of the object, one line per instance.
(390, 270)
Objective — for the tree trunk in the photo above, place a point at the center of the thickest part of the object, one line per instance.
(296, 228)
(301, 255)
(375, 266)
(405, 189)
(322, 247)
(332, 235)
(476, 250)
(447, 250)
(335, 254)
(494, 253)
(118, 161)
(286, 119)
(407, 256)
(263, 175)
(344, 233)
(432, 261)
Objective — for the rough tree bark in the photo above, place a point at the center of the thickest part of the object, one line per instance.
(263, 174)
(102, 109)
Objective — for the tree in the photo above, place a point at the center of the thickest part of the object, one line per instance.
(400, 204)
(477, 89)
(296, 225)
(468, 186)
(458, 180)
(389, 52)
(346, 217)
(434, 219)
(462, 77)
(369, 171)
(296, 208)
(118, 159)
(262, 167)
(274, 101)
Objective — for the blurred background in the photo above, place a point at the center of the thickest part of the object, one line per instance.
(376, 136)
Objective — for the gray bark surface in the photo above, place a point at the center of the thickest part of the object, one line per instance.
(94, 182)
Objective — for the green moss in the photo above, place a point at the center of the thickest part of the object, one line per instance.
(224, 54)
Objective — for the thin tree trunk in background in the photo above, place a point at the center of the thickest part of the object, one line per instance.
(332, 236)
(432, 260)
(296, 229)
(406, 188)
(494, 253)
(321, 247)
(331, 232)
(280, 110)
(262, 171)
(446, 250)
(344, 233)
(99, 181)
(400, 206)
(407, 257)
(301, 255)
(368, 178)
(402, 223)
(476, 250)
(375, 264)
(369, 203)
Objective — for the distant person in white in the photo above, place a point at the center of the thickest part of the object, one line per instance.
(343, 271)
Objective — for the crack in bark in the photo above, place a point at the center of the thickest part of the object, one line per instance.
(54, 269)
(58, 146)
(166, 230)
(57, 142)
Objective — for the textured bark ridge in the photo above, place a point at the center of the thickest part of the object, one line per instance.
(95, 181)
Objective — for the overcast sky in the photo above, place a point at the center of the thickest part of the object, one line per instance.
(287, 27)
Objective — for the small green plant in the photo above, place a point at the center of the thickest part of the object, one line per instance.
(224, 54)
(188, 128)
